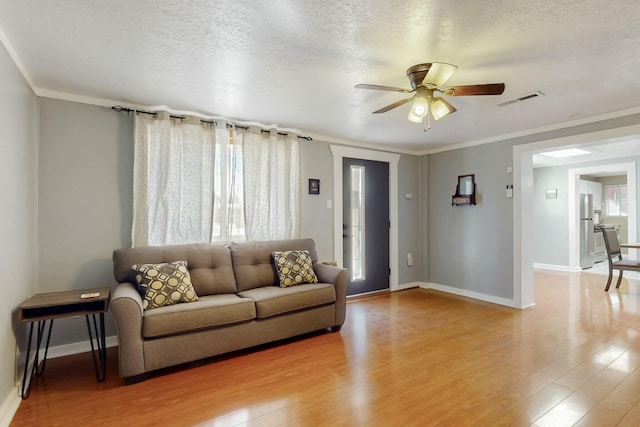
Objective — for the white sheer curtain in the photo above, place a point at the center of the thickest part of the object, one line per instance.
(194, 182)
(173, 180)
(271, 185)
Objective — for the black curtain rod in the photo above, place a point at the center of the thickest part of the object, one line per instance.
(129, 110)
(118, 108)
(307, 138)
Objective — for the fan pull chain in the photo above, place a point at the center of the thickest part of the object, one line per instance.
(427, 122)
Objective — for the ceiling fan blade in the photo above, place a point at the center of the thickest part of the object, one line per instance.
(486, 89)
(438, 74)
(378, 87)
(392, 106)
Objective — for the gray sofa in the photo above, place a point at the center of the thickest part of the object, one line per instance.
(240, 304)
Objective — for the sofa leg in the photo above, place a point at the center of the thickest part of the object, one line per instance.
(336, 328)
(136, 379)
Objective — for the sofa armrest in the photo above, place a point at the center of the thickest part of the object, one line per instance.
(126, 307)
(340, 278)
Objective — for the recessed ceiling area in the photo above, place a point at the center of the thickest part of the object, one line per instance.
(602, 150)
(296, 64)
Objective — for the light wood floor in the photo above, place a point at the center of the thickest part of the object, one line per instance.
(416, 357)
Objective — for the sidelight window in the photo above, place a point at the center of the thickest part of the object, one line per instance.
(357, 223)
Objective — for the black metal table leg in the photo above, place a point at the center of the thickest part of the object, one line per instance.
(36, 370)
(41, 328)
(25, 393)
(100, 346)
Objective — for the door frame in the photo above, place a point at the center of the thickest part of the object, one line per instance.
(339, 153)
(523, 238)
(624, 168)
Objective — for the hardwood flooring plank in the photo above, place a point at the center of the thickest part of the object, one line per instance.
(414, 357)
(616, 404)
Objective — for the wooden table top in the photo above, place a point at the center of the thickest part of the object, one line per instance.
(51, 305)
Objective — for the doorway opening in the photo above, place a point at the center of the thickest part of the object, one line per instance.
(628, 169)
(523, 240)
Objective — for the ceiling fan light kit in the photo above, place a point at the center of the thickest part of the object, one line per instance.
(441, 108)
(426, 79)
(414, 117)
(420, 107)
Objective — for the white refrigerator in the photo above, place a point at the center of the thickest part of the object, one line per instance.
(587, 243)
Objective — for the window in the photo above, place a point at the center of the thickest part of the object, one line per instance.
(228, 191)
(615, 200)
(196, 182)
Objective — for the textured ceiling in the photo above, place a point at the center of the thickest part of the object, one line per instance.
(295, 63)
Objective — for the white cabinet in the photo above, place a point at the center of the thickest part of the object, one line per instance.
(595, 189)
(584, 187)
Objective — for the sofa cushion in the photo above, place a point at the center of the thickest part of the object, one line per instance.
(164, 284)
(274, 300)
(252, 261)
(209, 264)
(294, 268)
(208, 312)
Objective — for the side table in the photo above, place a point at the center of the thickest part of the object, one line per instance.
(46, 307)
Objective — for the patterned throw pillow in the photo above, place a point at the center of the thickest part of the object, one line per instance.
(294, 268)
(164, 284)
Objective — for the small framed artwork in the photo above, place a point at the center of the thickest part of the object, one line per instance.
(314, 186)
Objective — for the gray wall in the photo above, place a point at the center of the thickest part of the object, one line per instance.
(86, 179)
(409, 230)
(551, 216)
(18, 216)
(316, 219)
(471, 247)
(423, 218)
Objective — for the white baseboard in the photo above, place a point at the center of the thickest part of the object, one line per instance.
(77, 347)
(9, 406)
(404, 286)
(469, 294)
(553, 267)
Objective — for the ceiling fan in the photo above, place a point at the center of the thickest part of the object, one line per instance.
(426, 80)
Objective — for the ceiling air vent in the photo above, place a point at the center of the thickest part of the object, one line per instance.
(522, 98)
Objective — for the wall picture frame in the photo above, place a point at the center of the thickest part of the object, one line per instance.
(465, 191)
(466, 185)
(314, 186)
